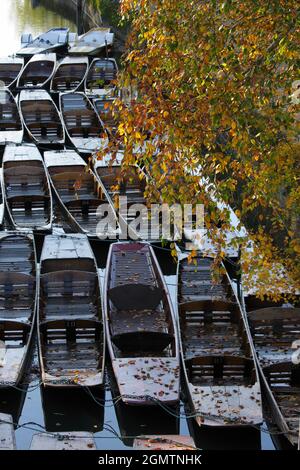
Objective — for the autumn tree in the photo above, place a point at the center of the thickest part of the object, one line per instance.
(215, 83)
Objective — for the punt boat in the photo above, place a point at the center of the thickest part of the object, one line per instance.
(220, 371)
(70, 74)
(41, 118)
(71, 337)
(54, 40)
(93, 43)
(18, 301)
(38, 72)
(140, 327)
(83, 125)
(11, 125)
(26, 189)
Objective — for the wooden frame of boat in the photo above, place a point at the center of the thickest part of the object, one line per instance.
(82, 123)
(274, 329)
(93, 42)
(140, 326)
(11, 124)
(101, 74)
(41, 118)
(77, 189)
(10, 70)
(18, 304)
(218, 359)
(56, 39)
(71, 333)
(38, 72)
(26, 189)
(70, 74)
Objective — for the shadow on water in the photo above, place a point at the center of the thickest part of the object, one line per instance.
(65, 411)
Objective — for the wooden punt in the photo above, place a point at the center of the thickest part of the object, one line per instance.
(56, 39)
(223, 388)
(275, 329)
(93, 42)
(71, 338)
(101, 76)
(82, 123)
(38, 72)
(11, 125)
(70, 74)
(10, 69)
(18, 300)
(41, 118)
(167, 442)
(77, 190)
(130, 185)
(140, 327)
(26, 189)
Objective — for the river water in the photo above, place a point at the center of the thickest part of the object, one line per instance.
(114, 426)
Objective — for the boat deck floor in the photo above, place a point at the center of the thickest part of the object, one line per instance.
(143, 320)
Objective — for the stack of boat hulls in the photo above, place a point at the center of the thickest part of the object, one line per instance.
(53, 118)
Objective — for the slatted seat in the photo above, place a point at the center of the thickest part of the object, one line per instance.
(222, 369)
(32, 211)
(71, 294)
(9, 72)
(102, 72)
(16, 255)
(16, 296)
(76, 186)
(68, 77)
(25, 181)
(71, 345)
(14, 334)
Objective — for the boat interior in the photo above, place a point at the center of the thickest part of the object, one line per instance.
(102, 73)
(9, 114)
(28, 193)
(215, 343)
(70, 319)
(80, 193)
(17, 301)
(140, 319)
(69, 76)
(36, 73)
(42, 120)
(9, 72)
(80, 118)
(274, 331)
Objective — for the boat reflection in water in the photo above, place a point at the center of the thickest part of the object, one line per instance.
(12, 403)
(75, 410)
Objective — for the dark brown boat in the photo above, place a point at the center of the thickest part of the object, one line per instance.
(276, 333)
(27, 190)
(140, 327)
(218, 360)
(18, 301)
(71, 336)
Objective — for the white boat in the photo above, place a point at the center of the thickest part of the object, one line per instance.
(41, 117)
(38, 72)
(11, 125)
(82, 123)
(56, 39)
(70, 74)
(26, 189)
(101, 76)
(10, 69)
(93, 42)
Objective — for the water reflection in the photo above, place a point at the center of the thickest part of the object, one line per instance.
(18, 16)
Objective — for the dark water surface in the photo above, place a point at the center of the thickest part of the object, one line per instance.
(114, 425)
